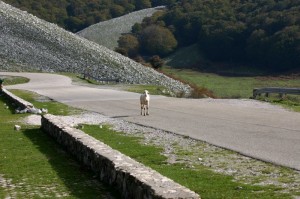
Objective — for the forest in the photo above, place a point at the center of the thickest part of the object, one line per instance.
(261, 33)
(264, 34)
(75, 15)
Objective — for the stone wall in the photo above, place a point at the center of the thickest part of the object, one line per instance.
(17, 101)
(133, 179)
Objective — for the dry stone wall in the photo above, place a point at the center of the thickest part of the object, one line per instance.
(19, 102)
(133, 179)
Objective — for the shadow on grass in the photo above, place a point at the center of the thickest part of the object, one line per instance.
(8, 103)
(79, 181)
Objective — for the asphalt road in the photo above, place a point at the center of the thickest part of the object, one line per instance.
(252, 128)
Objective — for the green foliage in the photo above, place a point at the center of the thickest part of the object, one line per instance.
(162, 2)
(221, 41)
(156, 62)
(75, 15)
(117, 11)
(157, 40)
(264, 34)
(140, 4)
(128, 45)
(136, 28)
(284, 52)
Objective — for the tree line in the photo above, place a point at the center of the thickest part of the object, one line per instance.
(75, 15)
(262, 33)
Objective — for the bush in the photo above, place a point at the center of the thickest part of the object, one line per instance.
(156, 62)
(157, 40)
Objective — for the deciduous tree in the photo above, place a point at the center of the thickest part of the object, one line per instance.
(157, 40)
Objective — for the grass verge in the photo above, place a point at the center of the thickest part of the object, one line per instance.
(153, 89)
(9, 80)
(198, 178)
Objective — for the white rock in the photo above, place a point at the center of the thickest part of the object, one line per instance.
(44, 110)
(17, 127)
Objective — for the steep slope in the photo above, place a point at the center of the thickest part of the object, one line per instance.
(28, 43)
(108, 32)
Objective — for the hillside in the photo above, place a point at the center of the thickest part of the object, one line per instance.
(108, 32)
(31, 44)
(262, 34)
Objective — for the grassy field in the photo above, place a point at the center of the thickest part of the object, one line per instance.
(239, 87)
(232, 87)
(32, 165)
(200, 179)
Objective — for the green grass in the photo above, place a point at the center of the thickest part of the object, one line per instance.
(231, 87)
(35, 166)
(238, 87)
(185, 57)
(9, 80)
(199, 179)
(291, 102)
(79, 79)
(38, 101)
(153, 89)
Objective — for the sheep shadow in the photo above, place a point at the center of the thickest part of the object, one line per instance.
(11, 107)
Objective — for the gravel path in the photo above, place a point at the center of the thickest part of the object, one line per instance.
(176, 147)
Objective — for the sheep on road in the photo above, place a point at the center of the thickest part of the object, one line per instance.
(145, 99)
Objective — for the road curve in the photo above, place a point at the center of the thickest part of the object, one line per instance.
(252, 128)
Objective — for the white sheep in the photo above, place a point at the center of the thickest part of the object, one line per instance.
(145, 99)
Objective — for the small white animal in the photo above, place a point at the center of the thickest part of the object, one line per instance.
(145, 99)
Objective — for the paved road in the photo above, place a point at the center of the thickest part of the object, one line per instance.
(250, 127)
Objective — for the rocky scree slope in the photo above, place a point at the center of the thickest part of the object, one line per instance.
(28, 43)
(107, 33)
